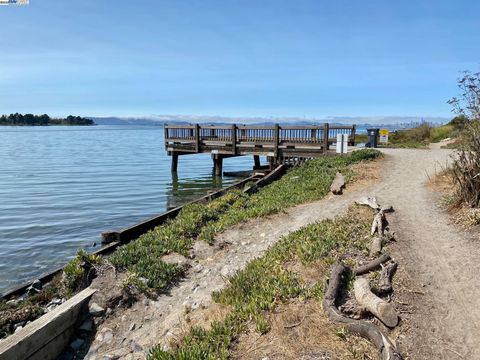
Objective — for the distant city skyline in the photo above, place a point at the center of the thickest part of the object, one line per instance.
(380, 120)
(262, 58)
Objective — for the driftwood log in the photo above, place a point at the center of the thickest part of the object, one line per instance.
(381, 309)
(338, 184)
(360, 327)
(372, 202)
(369, 201)
(379, 223)
(384, 284)
(379, 241)
(372, 265)
(387, 209)
(353, 310)
(376, 245)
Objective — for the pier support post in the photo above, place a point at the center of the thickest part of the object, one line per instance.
(271, 162)
(256, 162)
(174, 162)
(217, 164)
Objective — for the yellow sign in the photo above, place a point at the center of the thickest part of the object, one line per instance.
(384, 136)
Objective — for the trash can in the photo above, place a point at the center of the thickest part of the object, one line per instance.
(372, 138)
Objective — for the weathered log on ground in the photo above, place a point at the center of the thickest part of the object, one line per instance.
(379, 223)
(388, 236)
(381, 309)
(387, 209)
(372, 265)
(372, 202)
(369, 201)
(376, 245)
(338, 184)
(360, 327)
(384, 284)
(352, 309)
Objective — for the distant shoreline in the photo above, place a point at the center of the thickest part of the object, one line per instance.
(43, 120)
(43, 125)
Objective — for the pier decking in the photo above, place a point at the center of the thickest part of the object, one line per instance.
(278, 143)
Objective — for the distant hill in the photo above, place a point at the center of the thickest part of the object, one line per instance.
(389, 121)
(124, 121)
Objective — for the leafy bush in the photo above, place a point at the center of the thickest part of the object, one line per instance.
(459, 122)
(76, 273)
(421, 135)
(441, 132)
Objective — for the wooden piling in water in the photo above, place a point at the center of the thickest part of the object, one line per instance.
(256, 162)
(217, 164)
(174, 162)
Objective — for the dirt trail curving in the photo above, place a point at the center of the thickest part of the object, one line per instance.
(440, 264)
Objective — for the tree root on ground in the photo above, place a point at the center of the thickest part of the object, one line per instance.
(360, 327)
(381, 309)
(384, 284)
(372, 265)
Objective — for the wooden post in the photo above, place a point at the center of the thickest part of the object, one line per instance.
(234, 139)
(271, 162)
(325, 137)
(352, 138)
(165, 135)
(276, 140)
(256, 162)
(217, 164)
(174, 162)
(197, 138)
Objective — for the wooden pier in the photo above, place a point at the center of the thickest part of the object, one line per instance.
(280, 144)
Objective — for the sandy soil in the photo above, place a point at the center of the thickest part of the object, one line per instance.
(438, 266)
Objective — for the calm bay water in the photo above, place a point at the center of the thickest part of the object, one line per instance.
(61, 186)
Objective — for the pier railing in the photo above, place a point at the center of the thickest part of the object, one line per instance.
(243, 139)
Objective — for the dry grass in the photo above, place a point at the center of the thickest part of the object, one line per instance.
(300, 330)
(461, 214)
(367, 171)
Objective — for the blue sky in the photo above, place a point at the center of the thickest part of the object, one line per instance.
(236, 58)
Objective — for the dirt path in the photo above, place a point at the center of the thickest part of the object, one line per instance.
(435, 258)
